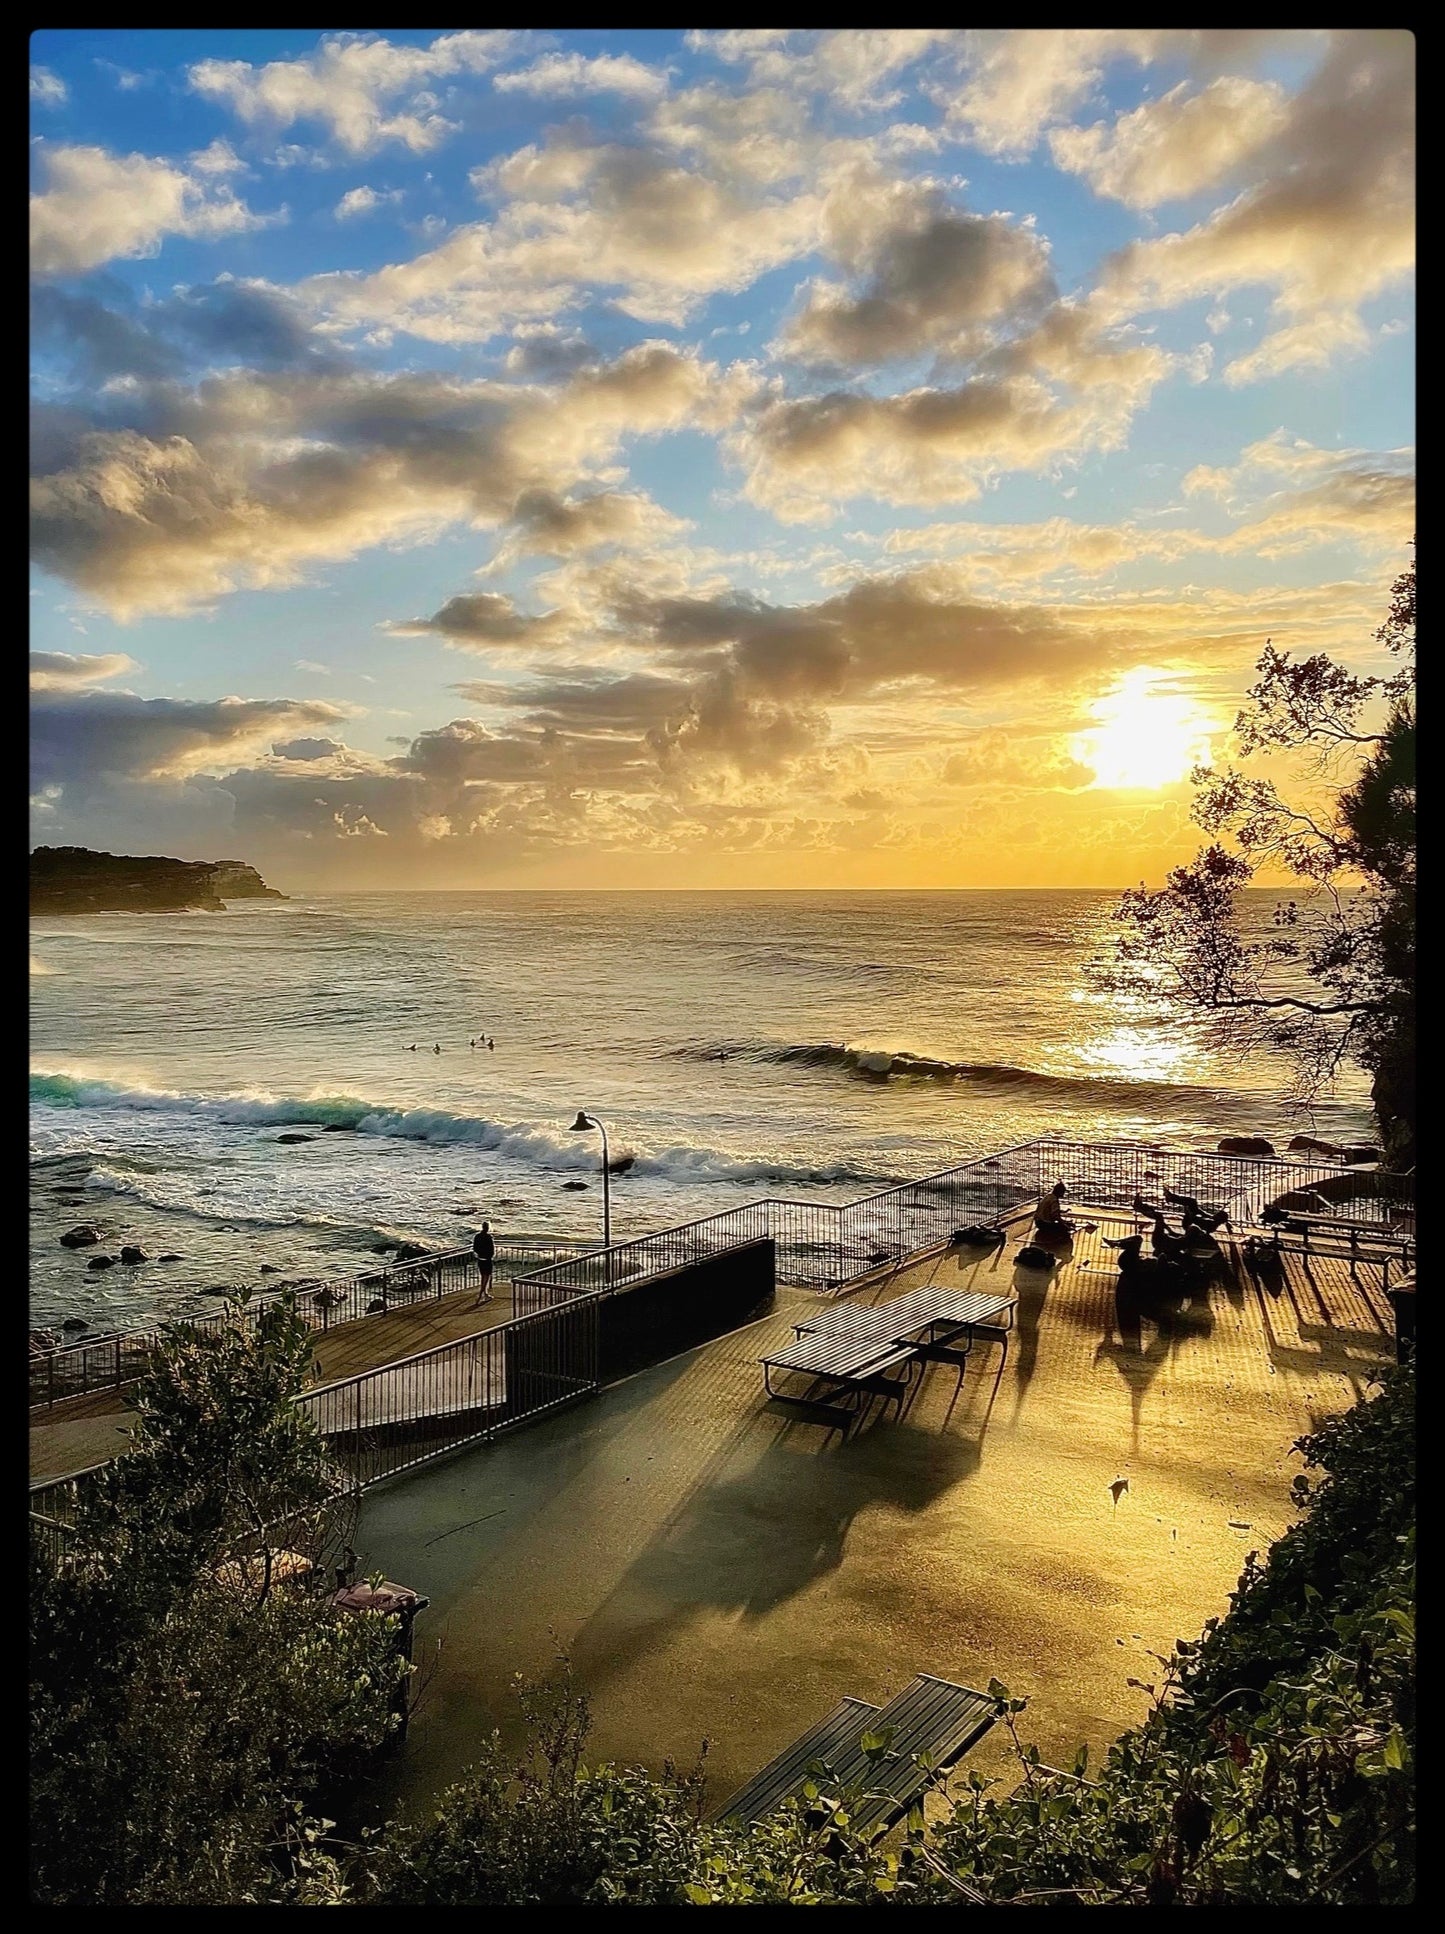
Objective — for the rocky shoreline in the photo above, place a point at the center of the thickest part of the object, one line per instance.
(73, 879)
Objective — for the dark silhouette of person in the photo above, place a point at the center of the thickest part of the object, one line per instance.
(485, 1250)
(438, 1048)
(412, 1048)
(491, 1042)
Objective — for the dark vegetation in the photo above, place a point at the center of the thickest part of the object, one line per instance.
(1335, 982)
(196, 1703)
(72, 879)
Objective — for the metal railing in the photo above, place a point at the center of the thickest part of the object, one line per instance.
(386, 1420)
(823, 1246)
(108, 1362)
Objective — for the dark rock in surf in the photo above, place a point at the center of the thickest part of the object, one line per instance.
(269, 1269)
(80, 1237)
(298, 1138)
(133, 1255)
(171, 1255)
(75, 1323)
(574, 1185)
(101, 1262)
(1245, 1145)
(412, 1252)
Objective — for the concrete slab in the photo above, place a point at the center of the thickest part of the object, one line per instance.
(713, 1568)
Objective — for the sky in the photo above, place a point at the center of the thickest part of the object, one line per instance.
(743, 458)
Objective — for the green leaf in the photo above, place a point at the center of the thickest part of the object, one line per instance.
(1395, 1749)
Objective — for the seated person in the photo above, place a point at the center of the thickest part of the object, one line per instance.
(1049, 1217)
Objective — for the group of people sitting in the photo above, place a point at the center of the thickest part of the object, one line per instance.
(1177, 1258)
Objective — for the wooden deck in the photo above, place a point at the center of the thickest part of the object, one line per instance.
(86, 1430)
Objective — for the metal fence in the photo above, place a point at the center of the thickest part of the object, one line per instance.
(107, 1362)
(823, 1246)
(386, 1420)
(1111, 1174)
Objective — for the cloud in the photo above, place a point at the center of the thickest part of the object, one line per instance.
(363, 90)
(999, 758)
(64, 671)
(1019, 81)
(854, 66)
(96, 207)
(308, 749)
(254, 477)
(364, 201)
(481, 620)
(47, 89)
(1177, 145)
(1328, 222)
(574, 216)
(929, 276)
(83, 740)
(573, 74)
(1059, 390)
(1295, 495)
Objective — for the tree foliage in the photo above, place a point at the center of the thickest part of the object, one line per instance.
(1335, 981)
(190, 1686)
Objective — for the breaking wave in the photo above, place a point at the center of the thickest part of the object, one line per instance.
(348, 1113)
(882, 1064)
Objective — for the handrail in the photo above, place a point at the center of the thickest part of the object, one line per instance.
(809, 1234)
(119, 1355)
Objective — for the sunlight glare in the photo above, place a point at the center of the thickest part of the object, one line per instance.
(1147, 735)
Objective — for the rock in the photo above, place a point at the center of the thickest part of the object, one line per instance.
(287, 1139)
(1245, 1145)
(338, 1128)
(131, 1254)
(1353, 1154)
(382, 1248)
(73, 879)
(41, 1341)
(101, 1262)
(69, 1202)
(171, 1255)
(411, 1252)
(81, 1236)
(620, 1164)
(1300, 1142)
(75, 1322)
(269, 1269)
(375, 1307)
(574, 1185)
(218, 1289)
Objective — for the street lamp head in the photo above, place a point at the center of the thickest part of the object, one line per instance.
(583, 1120)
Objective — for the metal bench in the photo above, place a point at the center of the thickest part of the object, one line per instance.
(855, 1363)
(844, 1726)
(931, 1717)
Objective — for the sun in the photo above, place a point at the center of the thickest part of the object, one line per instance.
(1147, 735)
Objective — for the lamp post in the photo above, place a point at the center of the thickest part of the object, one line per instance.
(583, 1122)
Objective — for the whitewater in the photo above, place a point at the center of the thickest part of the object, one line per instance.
(813, 1044)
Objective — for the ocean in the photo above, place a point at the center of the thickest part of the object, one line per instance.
(735, 1045)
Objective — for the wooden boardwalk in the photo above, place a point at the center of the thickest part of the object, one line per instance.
(83, 1431)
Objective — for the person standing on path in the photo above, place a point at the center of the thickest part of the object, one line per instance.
(485, 1250)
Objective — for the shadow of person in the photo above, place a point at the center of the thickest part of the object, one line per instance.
(747, 1543)
(1177, 1314)
(1031, 1287)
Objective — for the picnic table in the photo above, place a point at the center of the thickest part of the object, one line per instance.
(855, 1348)
(901, 1320)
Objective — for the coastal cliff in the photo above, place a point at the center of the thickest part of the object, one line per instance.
(72, 879)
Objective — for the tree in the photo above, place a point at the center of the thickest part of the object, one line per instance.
(1335, 982)
(192, 1691)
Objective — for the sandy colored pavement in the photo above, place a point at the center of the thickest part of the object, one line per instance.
(713, 1567)
(86, 1430)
